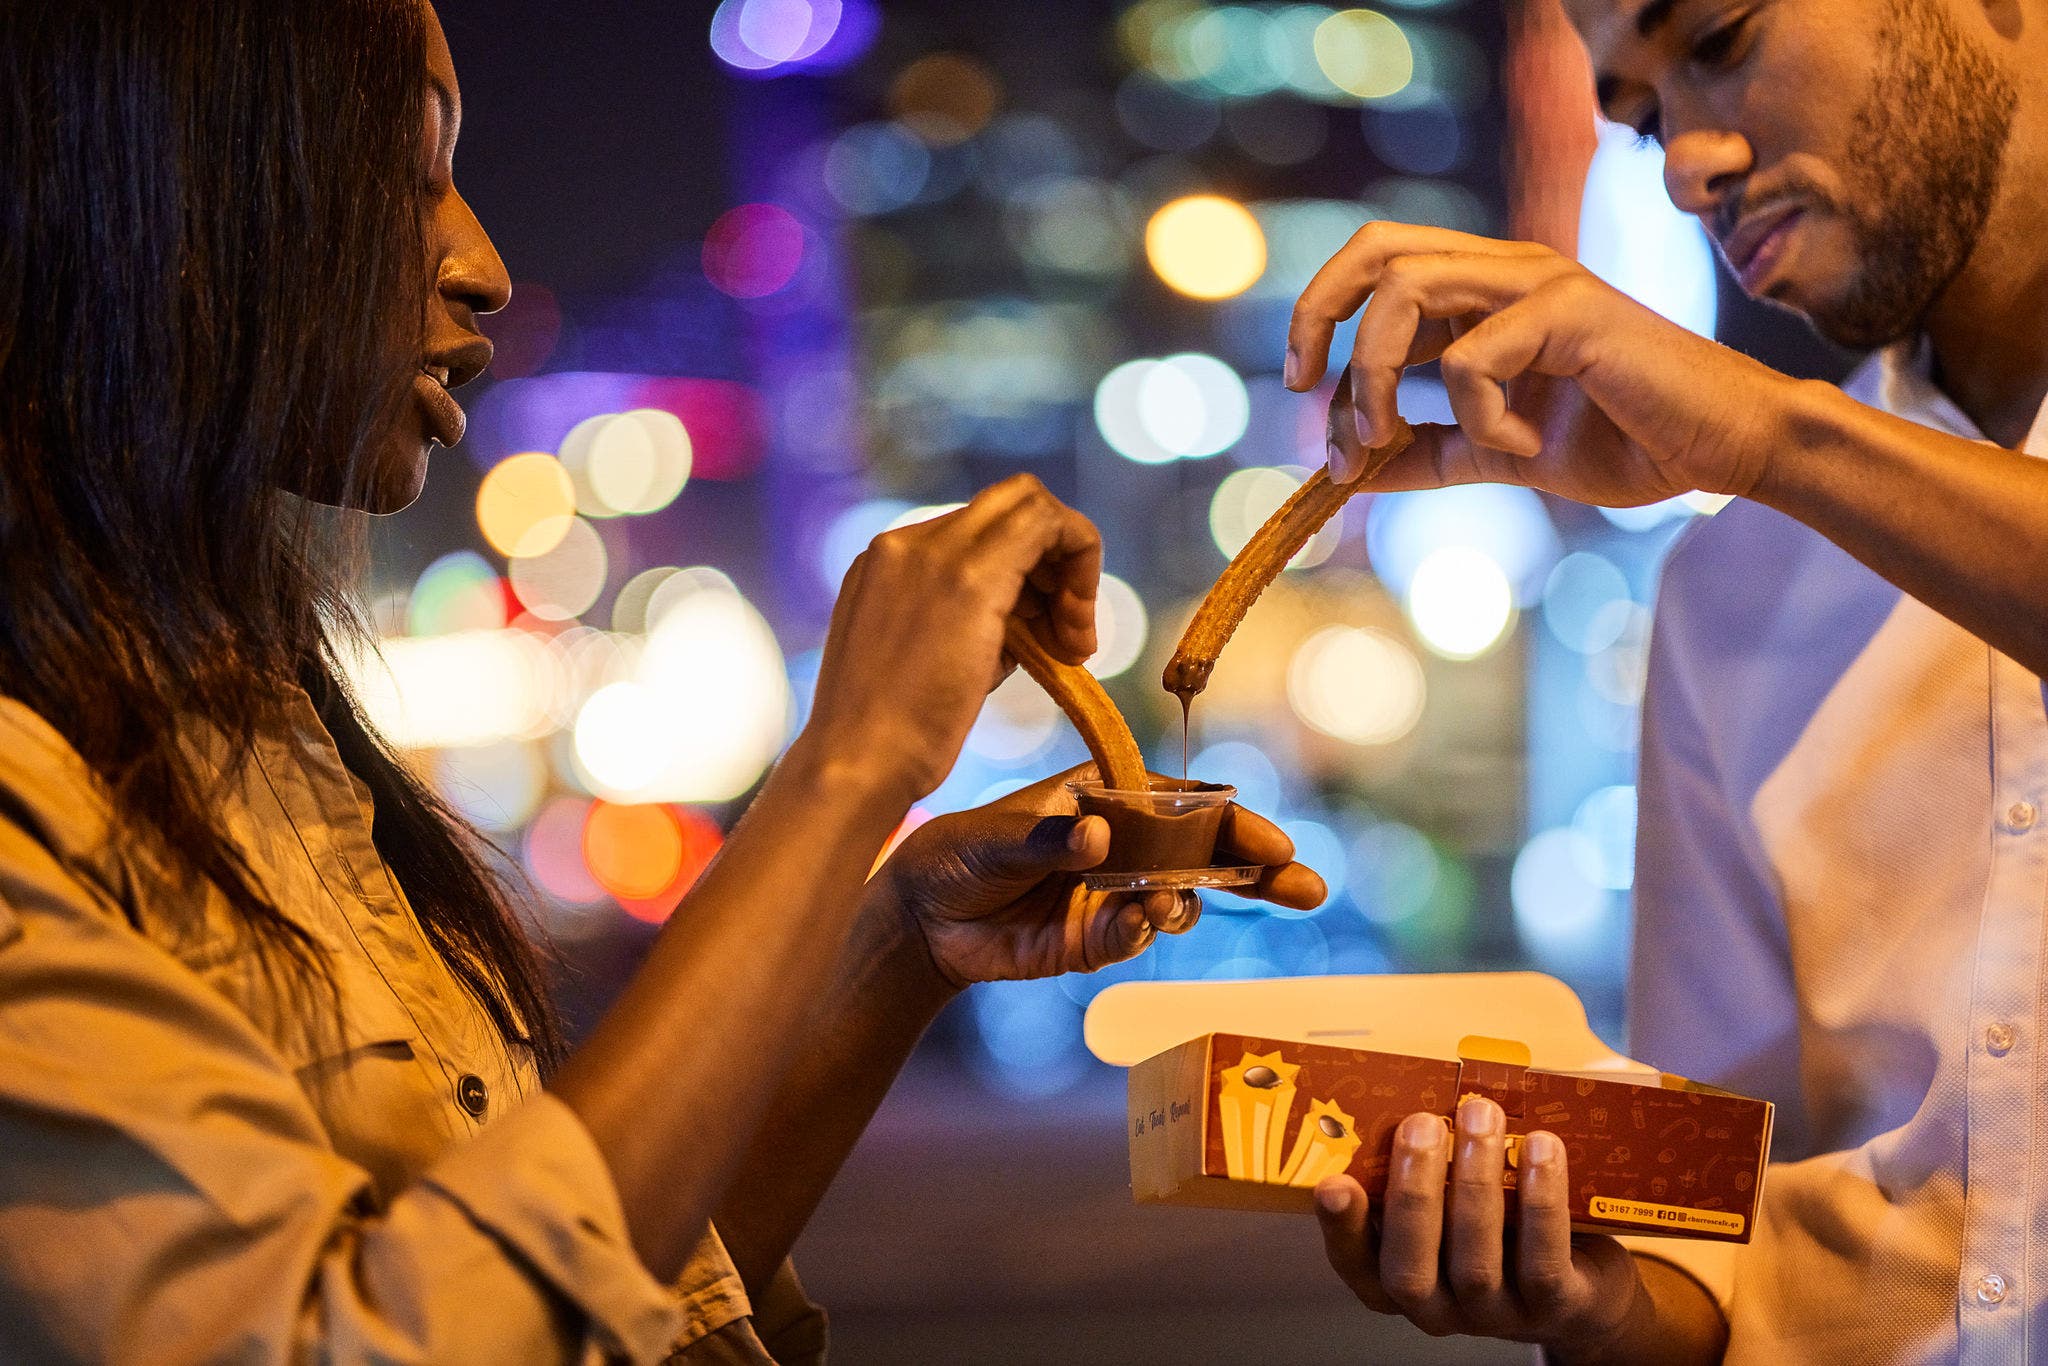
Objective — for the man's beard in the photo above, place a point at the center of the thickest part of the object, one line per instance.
(1922, 168)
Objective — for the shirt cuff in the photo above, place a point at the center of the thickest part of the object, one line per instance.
(781, 1324)
(536, 1181)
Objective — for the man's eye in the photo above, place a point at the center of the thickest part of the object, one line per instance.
(1715, 47)
(1649, 129)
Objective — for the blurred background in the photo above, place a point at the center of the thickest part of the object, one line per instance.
(790, 272)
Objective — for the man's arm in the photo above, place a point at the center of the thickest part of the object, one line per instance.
(1960, 525)
(1563, 383)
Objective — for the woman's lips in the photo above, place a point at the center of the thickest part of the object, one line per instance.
(1755, 267)
(446, 421)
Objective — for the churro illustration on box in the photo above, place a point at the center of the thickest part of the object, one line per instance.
(1254, 1103)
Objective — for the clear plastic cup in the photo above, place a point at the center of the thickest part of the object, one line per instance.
(1162, 838)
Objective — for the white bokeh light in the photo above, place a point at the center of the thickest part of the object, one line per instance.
(1632, 236)
(1360, 686)
(1461, 602)
(1122, 627)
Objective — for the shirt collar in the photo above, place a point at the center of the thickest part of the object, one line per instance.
(1900, 380)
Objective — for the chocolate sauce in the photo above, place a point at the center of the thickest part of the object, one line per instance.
(1143, 839)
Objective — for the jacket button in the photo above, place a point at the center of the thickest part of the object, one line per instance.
(474, 1095)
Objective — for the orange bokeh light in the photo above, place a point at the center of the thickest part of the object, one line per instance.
(648, 856)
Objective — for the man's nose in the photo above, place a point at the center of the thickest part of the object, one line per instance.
(1701, 168)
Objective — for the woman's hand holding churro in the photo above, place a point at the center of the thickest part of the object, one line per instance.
(917, 638)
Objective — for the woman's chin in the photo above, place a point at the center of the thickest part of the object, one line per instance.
(399, 481)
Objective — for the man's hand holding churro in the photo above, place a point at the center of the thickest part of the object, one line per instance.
(1558, 380)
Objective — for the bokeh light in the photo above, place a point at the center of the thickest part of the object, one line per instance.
(1585, 602)
(1206, 246)
(1185, 407)
(1247, 498)
(426, 693)
(457, 592)
(706, 709)
(1360, 686)
(1507, 524)
(495, 787)
(563, 581)
(553, 851)
(764, 35)
(1560, 907)
(945, 97)
(648, 856)
(526, 504)
(1632, 236)
(638, 462)
(1461, 602)
(1122, 627)
(754, 250)
(1364, 53)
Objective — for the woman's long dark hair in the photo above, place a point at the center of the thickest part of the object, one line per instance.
(212, 282)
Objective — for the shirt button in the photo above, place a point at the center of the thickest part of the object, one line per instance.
(474, 1095)
(2021, 815)
(1999, 1039)
(1991, 1289)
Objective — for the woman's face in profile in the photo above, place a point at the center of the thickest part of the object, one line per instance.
(466, 280)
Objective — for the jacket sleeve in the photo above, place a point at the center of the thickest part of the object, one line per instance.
(168, 1193)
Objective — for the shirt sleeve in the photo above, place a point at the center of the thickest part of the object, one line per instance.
(165, 1181)
(1711, 992)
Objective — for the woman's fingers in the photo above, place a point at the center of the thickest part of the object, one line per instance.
(1046, 545)
(1342, 1210)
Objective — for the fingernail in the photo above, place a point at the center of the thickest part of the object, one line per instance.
(1334, 1197)
(1541, 1147)
(1290, 373)
(1340, 465)
(1423, 1133)
(1077, 837)
(1480, 1118)
(1363, 424)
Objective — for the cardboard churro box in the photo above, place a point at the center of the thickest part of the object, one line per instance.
(1246, 1120)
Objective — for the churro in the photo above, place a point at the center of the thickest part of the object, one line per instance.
(1103, 728)
(1260, 562)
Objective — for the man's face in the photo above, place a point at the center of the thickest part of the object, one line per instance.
(1844, 154)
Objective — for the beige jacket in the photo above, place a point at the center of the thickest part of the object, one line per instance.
(189, 1174)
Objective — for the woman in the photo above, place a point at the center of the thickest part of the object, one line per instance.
(271, 1040)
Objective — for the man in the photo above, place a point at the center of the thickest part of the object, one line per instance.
(1843, 866)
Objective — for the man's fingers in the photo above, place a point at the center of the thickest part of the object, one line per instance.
(1434, 288)
(1344, 283)
(1543, 1246)
(1440, 456)
(1477, 1218)
(1412, 1224)
(1342, 1212)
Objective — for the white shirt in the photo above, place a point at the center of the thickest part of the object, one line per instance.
(1842, 875)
